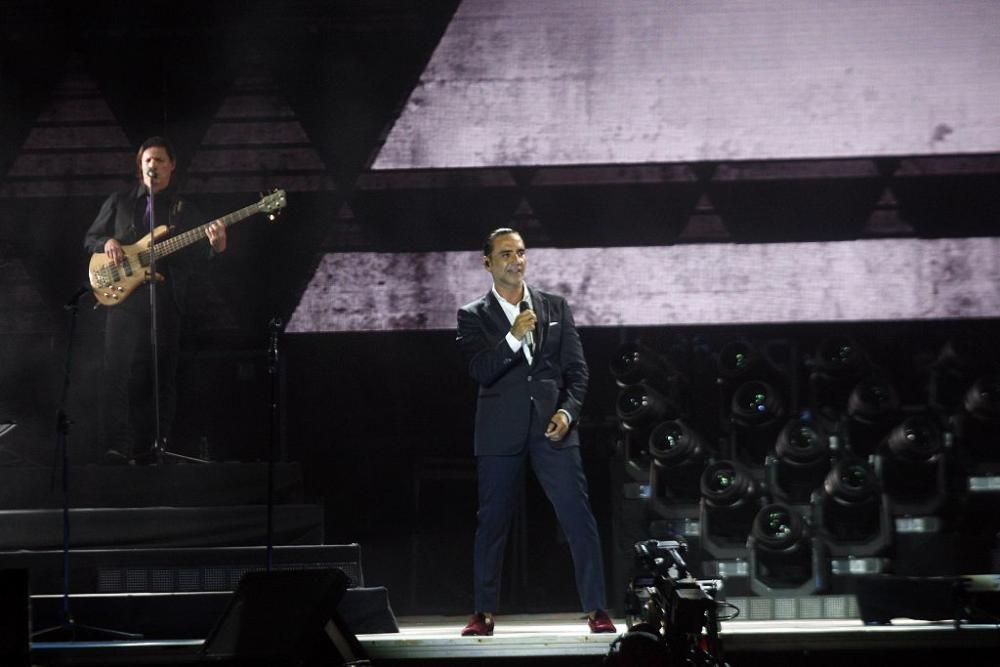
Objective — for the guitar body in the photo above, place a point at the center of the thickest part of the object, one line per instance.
(113, 283)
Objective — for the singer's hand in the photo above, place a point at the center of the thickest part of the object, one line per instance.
(523, 323)
(113, 249)
(216, 233)
(557, 427)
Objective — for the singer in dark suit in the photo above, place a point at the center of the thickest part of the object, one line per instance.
(523, 349)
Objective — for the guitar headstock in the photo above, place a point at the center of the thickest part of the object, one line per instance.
(273, 203)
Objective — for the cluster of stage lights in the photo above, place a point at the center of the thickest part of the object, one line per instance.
(824, 481)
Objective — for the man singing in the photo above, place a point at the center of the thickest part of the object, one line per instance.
(122, 220)
(523, 349)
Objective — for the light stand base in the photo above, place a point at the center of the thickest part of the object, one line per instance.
(71, 631)
(160, 454)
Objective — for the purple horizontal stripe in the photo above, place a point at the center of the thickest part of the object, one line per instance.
(713, 284)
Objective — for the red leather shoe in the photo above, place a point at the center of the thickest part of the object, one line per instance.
(600, 622)
(478, 626)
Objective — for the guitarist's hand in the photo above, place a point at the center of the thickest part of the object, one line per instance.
(216, 233)
(113, 249)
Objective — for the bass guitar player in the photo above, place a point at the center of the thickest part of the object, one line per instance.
(121, 222)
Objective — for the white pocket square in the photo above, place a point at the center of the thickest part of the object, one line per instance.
(552, 324)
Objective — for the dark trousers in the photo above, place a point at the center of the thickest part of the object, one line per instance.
(560, 472)
(127, 382)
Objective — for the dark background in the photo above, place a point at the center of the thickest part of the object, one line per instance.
(369, 415)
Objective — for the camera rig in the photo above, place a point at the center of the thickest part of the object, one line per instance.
(666, 605)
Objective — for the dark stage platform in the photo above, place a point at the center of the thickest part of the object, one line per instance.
(159, 551)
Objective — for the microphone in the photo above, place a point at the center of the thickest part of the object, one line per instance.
(529, 338)
(151, 172)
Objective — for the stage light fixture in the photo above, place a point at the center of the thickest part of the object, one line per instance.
(914, 463)
(756, 413)
(958, 365)
(679, 457)
(730, 498)
(752, 400)
(978, 424)
(740, 360)
(913, 467)
(635, 363)
(873, 409)
(784, 556)
(840, 356)
(640, 408)
(977, 436)
(756, 404)
(838, 364)
(852, 514)
(800, 463)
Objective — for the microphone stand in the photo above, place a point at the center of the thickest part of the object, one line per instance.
(158, 452)
(273, 366)
(68, 626)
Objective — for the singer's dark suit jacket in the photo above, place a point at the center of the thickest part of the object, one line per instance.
(510, 389)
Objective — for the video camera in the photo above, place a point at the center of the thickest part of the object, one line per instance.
(672, 617)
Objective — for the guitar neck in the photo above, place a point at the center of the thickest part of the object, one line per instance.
(183, 240)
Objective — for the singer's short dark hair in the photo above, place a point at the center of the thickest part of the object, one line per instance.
(158, 142)
(503, 231)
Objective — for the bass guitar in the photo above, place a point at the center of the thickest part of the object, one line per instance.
(113, 283)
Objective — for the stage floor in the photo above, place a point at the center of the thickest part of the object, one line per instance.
(559, 635)
(566, 634)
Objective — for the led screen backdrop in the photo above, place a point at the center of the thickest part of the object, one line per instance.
(522, 82)
(871, 280)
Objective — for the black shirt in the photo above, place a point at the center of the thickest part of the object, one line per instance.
(122, 217)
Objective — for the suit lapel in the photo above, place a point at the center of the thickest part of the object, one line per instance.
(499, 319)
(496, 314)
(541, 307)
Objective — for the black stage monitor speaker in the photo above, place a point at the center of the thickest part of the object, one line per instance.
(15, 618)
(973, 598)
(286, 617)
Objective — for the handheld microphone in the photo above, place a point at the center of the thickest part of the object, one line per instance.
(529, 338)
(151, 172)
